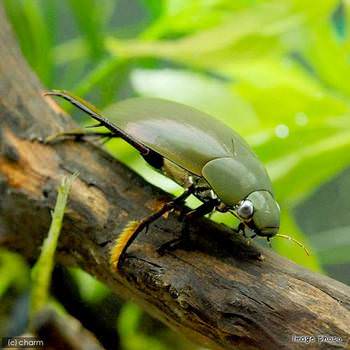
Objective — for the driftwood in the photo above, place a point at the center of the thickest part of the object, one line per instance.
(220, 293)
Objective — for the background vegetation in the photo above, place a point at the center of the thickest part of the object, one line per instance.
(276, 71)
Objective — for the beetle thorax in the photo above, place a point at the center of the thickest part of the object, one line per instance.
(233, 179)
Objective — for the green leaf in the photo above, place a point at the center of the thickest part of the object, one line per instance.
(132, 337)
(207, 48)
(298, 173)
(333, 246)
(33, 34)
(247, 33)
(154, 7)
(179, 16)
(90, 289)
(70, 50)
(209, 95)
(280, 91)
(13, 272)
(89, 16)
(328, 55)
(129, 319)
(41, 272)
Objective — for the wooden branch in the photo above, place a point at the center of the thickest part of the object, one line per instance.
(221, 293)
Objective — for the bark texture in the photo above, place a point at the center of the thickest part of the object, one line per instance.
(221, 293)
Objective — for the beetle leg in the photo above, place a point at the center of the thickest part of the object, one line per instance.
(202, 210)
(95, 114)
(122, 247)
(78, 135)
(240, 228)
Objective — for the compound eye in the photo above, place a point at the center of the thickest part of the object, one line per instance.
(245, 209)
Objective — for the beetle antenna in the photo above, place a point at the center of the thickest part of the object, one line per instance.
(294, 240)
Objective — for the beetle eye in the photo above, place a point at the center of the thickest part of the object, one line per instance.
(245, 209)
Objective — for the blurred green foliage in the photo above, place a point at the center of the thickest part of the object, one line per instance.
(276, 71)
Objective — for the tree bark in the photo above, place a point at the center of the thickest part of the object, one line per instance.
(220, 293)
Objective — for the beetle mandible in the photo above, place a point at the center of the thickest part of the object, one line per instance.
(203, 155)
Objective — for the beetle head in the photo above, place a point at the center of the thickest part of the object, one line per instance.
(260, 213)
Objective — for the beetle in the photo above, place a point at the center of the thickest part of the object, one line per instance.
(204, 156)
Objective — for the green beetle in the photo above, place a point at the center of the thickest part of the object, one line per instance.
(203, 155)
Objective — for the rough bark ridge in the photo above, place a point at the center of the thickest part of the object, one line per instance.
(219, 294)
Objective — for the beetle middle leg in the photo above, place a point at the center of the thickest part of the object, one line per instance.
(184, 239)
